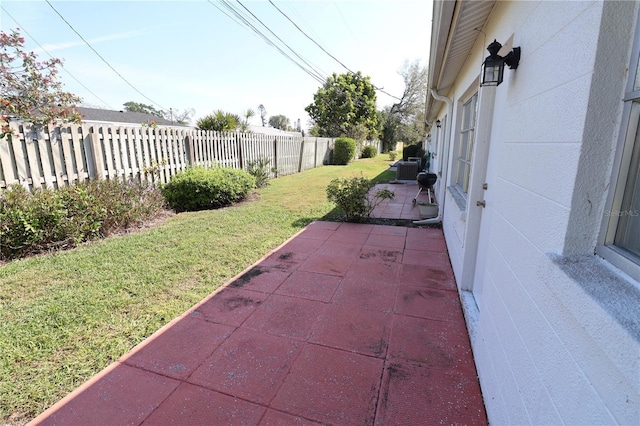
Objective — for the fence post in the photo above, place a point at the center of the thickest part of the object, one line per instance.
(275, 154)
(96, 156)
(190, 150)
(315, 154)
(239, 137)
(301, 155)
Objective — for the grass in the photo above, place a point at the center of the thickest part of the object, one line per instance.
(66, 316)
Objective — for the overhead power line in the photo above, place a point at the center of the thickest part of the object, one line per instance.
(283, 42)
(323, 49)
(243, 19)
(103, 59)
(51, 56)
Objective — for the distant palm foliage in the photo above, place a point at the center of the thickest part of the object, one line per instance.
(219, 121)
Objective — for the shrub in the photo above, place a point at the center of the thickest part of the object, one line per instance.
(369, 151)
(121, 205)
(393, 155)
(343, 151)
(200, 189)
(352, 197)
(260, 170)
(56, 219)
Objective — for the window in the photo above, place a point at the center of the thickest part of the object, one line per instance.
(627, 235)
(465, 145)
(622, 239)
(621, 242)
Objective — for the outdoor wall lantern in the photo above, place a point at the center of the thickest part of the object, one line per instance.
(493, 65)
(438, 124)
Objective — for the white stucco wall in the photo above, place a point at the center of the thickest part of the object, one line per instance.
(557, 337)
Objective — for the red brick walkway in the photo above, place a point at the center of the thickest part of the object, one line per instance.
(345, 324)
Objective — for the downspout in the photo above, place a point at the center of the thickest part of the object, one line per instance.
(449, 103)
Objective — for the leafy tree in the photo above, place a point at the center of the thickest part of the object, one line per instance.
(219, 121)
(263, 114)
(143, 108)
(29, 89)
(314, 130)
(342, 103)
(404, 120)
(181, 117)
(411, 103)
(279, 122)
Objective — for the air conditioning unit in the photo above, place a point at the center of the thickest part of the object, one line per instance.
(407, 170)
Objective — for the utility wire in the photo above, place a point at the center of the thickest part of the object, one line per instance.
(282, 41)
(311, 70)
(104, 60)
(246, 22)
(215, 4)
(323, 49)
(51, 56)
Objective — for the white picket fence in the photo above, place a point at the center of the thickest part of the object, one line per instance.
(54, 156)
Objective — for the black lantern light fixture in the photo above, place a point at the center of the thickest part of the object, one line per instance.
(438, 124)
(493, 65)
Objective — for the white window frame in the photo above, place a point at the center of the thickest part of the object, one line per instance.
(466, 132)
(628, 141)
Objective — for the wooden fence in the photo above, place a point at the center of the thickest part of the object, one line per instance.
(52, 157)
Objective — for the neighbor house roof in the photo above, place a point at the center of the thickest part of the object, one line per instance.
(271, 131)
(112, 116)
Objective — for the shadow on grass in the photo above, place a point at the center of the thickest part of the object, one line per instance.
(384, 177)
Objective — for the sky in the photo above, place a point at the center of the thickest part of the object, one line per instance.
(200, 55)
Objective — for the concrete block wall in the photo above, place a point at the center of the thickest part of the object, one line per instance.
(547, 350)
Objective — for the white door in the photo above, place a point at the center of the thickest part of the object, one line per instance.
(476, 232)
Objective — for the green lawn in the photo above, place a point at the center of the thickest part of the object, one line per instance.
(66, 316)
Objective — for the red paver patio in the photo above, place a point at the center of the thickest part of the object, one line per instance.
(344, 324)
(401, 207)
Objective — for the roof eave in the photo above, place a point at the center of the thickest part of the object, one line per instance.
(454, 30)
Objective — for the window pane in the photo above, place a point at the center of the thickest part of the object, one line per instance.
(628, 232)
(460, 173)
(636, 83)
(465, 144)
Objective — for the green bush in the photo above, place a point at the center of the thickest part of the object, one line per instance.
(352, 197)
(120, 205)
(49, 219)
(343, 151)
(260, 170)
(201, 189)
(393, 155)
(369, 151)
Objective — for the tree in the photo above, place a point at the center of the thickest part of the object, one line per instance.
(29, 89)
(415, 89)
(342, 103)
(279, 122)
(244, 125)
(181, 117)
(263, 114)
(143, 108)
(404, 120)
(219, 121)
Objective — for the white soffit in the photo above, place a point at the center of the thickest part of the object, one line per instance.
(460, 34)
